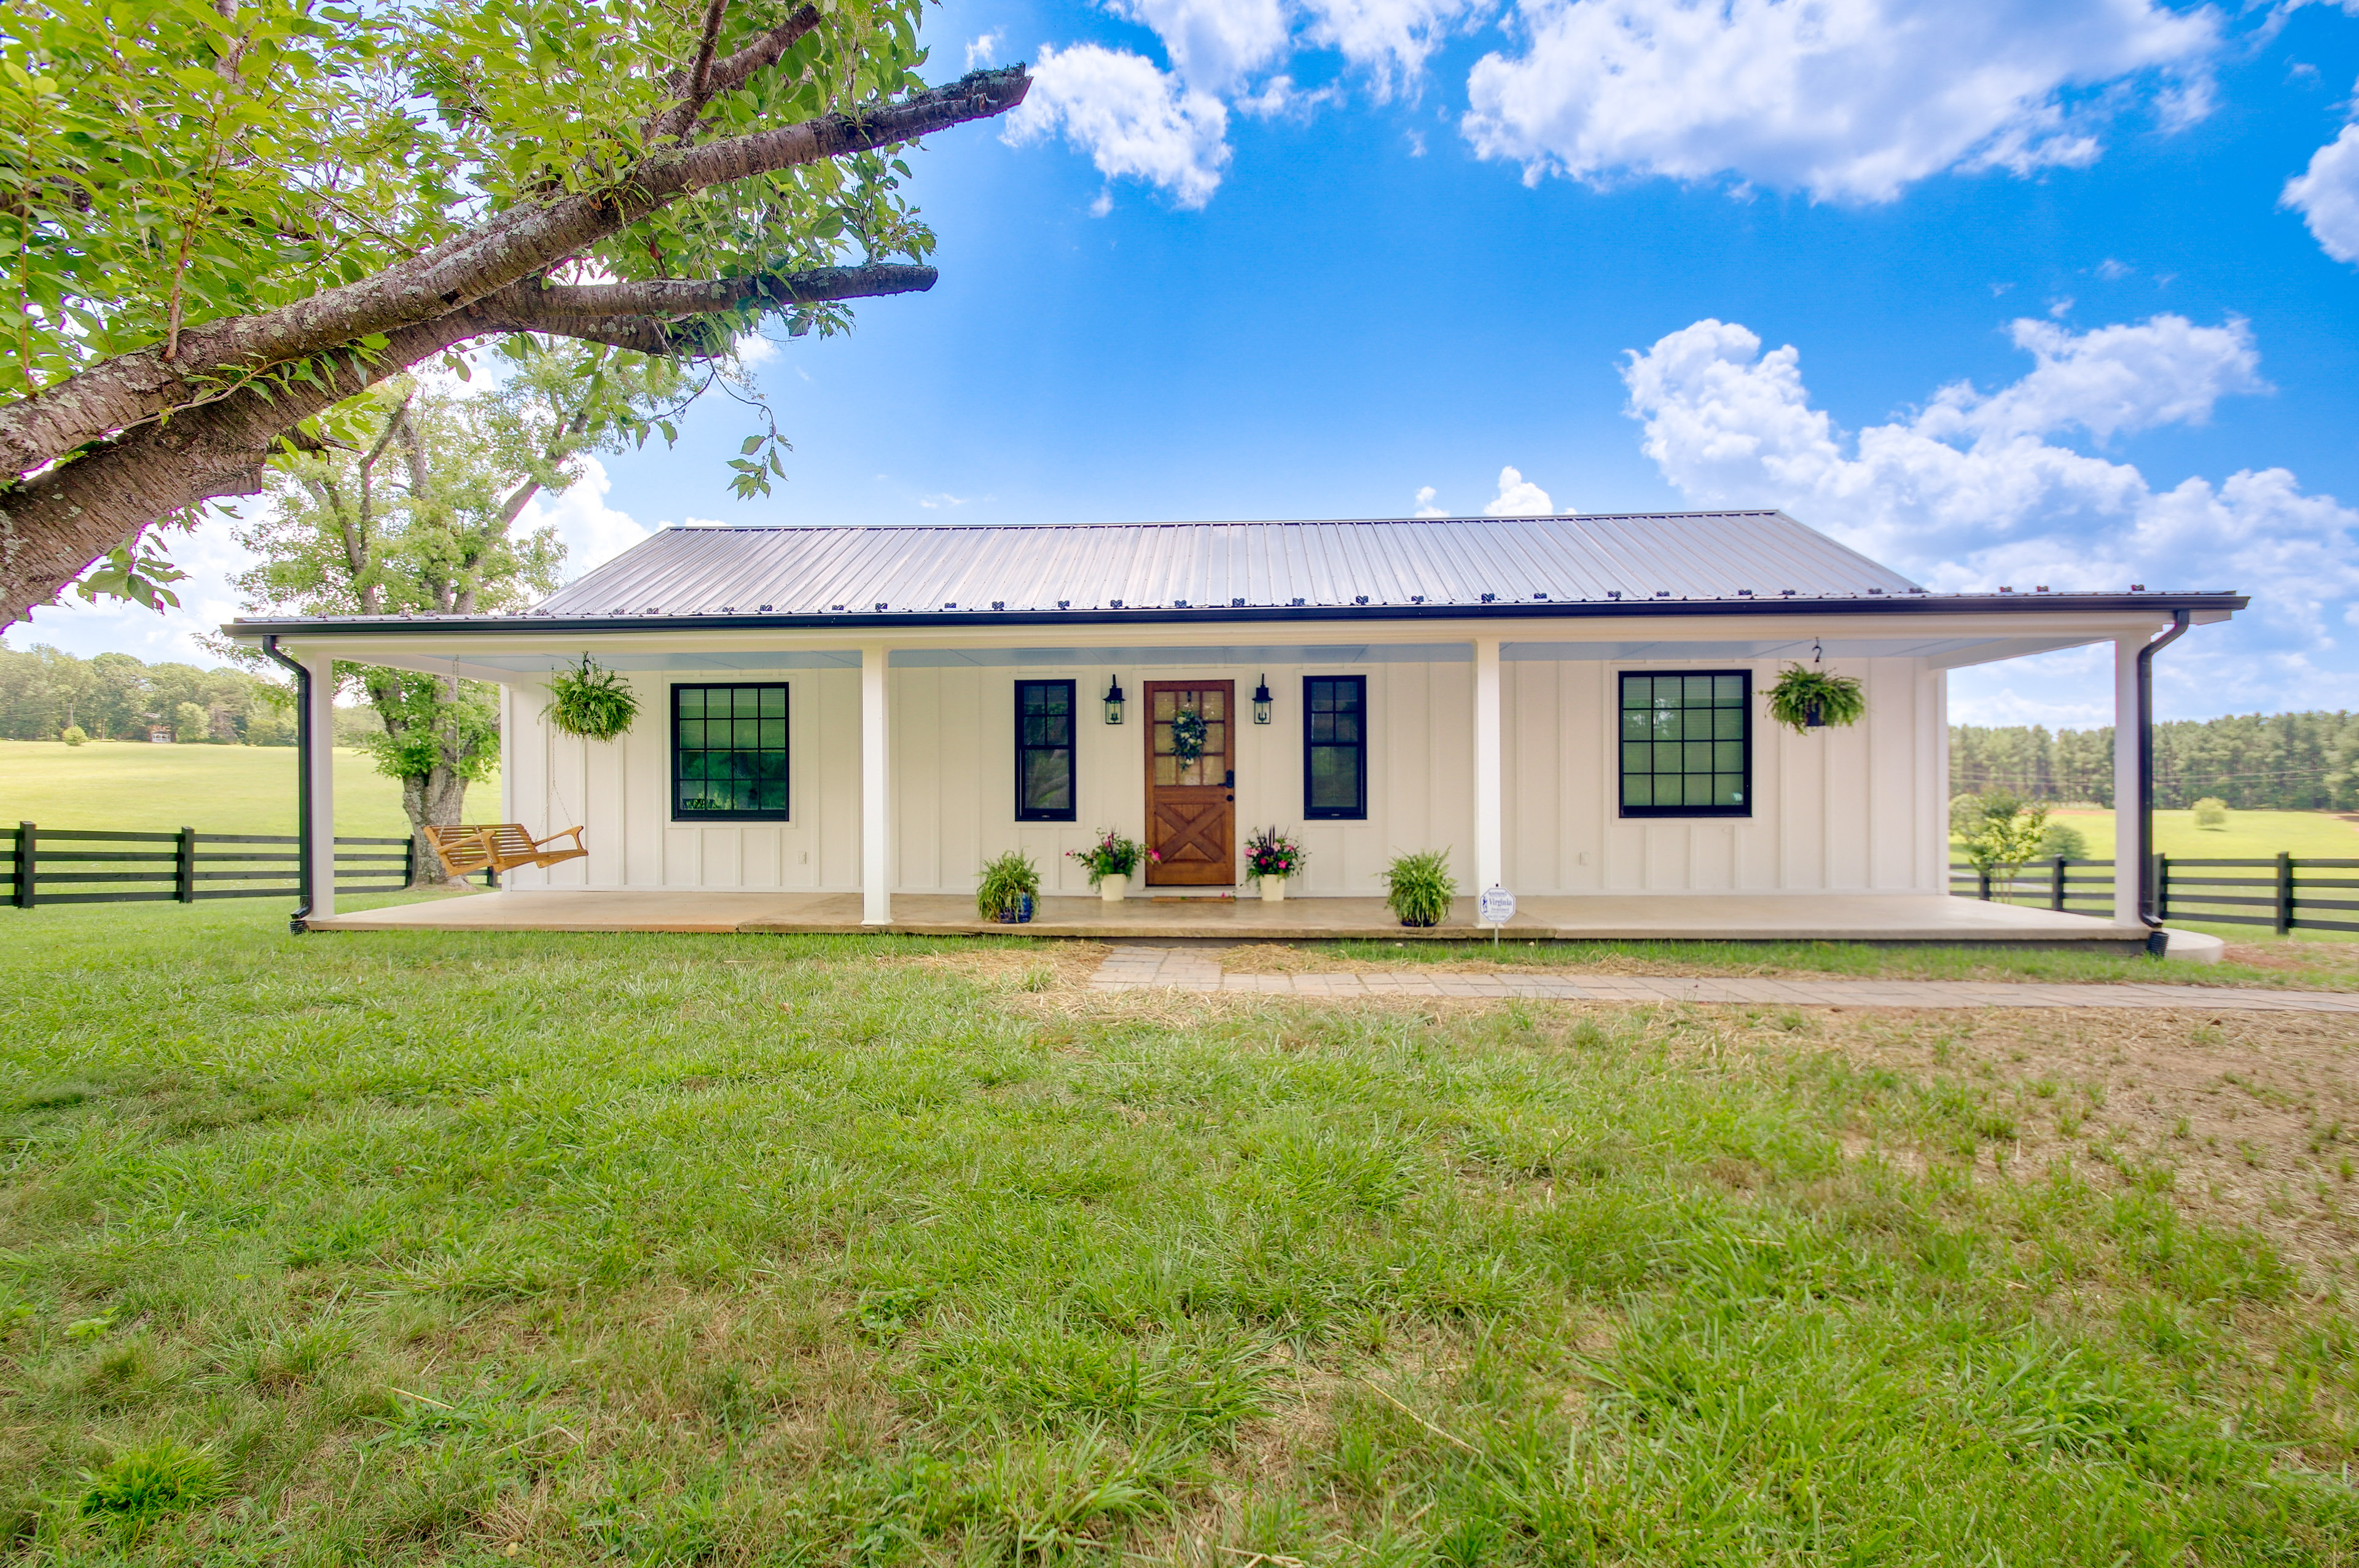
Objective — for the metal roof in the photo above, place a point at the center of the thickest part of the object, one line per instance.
(1467, 562)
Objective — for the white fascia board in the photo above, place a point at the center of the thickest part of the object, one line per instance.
(433, 652)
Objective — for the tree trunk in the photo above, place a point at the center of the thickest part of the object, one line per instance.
(437, 799)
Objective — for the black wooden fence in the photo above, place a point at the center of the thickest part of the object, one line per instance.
(2286, 894)
(85, 865)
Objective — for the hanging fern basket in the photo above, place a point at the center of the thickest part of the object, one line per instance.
(592, 703)
(1805, 700)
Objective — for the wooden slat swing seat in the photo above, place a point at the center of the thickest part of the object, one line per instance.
(500, 847)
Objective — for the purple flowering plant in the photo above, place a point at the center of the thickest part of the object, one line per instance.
(1270, 853)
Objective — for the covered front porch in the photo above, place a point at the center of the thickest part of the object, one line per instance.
(1885, 918)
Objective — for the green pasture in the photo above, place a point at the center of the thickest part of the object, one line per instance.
(214, 789)
(480, 1248)
(2248, 835)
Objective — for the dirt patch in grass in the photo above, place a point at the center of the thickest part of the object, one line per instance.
(1049, 967)
(2307, 959)
(2251, 1118)
(2291, 964)
(2243, 1118)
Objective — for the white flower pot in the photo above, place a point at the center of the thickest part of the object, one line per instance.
(1273, 890)
(1113, 889)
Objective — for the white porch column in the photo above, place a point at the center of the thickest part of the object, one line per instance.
(876, 789)
(1490, 816)
(320, 782)
(2128, 847)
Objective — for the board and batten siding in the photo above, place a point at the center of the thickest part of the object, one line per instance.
(1841, 810)
(1858, 809)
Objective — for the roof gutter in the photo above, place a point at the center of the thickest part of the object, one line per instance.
(2156, 941)
(303, 853)
(1542, 609)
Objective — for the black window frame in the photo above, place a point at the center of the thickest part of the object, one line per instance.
(1312, 812)
(1071, 748)
(787, 752)
(1623, 740)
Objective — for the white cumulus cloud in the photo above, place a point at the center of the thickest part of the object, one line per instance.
(594, 532)
(1973, 492)
(1213, 44)
(1132, 119)
(1518, 497)
(1390, 40)
(1849, 99)
(1425, 506)
(2327, 196)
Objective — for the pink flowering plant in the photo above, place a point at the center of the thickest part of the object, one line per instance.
(1111, 855)
(1269, 853)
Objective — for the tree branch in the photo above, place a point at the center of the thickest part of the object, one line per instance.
(520, 243)
(52, 526)
(688, 296)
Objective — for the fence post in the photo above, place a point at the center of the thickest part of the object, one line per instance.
(184, 867)
(1982, 883)
(24, 889)
(409, 860)
(2162, 887)
(2284, 892)
(2056, 884)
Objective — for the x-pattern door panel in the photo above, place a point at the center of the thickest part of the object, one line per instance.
(1191, 814)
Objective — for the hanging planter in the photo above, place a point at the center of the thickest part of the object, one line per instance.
(1188, 735)
(592, 703)
(1805, 700)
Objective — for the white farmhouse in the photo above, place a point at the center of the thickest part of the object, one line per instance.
(840, 725)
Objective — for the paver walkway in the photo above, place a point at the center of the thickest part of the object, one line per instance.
(1199, 970)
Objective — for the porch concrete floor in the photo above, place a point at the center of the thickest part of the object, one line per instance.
(1691, 917)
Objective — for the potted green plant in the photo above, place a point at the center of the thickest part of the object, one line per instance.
(1009, 884)
(1270, 858)
(592, 702)
(1418, 887)
(1110, 862)
(1804, 700)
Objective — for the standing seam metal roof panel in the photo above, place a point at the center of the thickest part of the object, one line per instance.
(705, 570)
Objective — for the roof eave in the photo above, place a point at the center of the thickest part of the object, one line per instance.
(1550, 610)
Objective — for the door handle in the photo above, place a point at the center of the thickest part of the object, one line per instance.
(1230, 797)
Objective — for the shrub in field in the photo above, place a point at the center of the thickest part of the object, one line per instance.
(2210, 812)
(75, 735)
(2063, 839)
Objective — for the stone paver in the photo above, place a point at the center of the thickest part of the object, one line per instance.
(1143, 968)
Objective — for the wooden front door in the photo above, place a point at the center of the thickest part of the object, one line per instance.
(1191, 811)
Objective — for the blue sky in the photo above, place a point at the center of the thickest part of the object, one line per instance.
(2059, 292)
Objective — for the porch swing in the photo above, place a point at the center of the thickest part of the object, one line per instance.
(499, 847)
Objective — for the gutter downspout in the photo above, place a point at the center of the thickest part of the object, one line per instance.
(2156, 941)
(303, 776)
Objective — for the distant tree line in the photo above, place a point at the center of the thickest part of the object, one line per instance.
(2256, 762)
(113, 697)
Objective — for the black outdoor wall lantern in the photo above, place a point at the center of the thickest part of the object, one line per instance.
(1114, 699)
(1261, 701)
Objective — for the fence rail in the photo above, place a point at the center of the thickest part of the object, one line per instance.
(2285, 894)
(87, 865)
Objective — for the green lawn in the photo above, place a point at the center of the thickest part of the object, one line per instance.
(2249, 835)
(2264, 961)
(482, 1249)
(214, 789)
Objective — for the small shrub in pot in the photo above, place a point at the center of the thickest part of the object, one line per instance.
(1418, 887)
